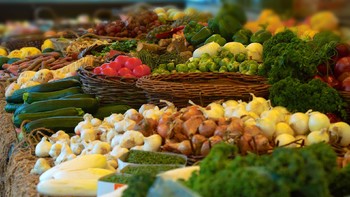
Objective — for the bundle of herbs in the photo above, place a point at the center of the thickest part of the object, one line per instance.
(148, 157)
(123, 46)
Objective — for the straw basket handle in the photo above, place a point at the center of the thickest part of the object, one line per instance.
(40, 10)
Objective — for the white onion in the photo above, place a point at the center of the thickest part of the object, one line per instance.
(283, 127)
(284, 139)
(272, 115)
(318, 121)
(301, 138)
(230, 103)
(299, 122)
(249, 122)
(267, 126)
(317, 137)
(342, 129)
(257, 105)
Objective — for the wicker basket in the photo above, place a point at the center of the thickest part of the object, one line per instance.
(346, 97)
(202, 88)
(17, 42)
(112, 89)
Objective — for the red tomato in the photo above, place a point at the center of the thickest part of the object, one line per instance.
(342, 65)
(109, 72)
(333, 118)
(132, 62)
(115, 66)
(346, 84)
(122, 59)
(141, 70)
(123, 71)
(319, 77)
(97, 70)
(105, 65)
(343, 76)
(129, 75)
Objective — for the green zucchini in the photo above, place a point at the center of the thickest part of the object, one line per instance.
(69, 111)
(66, 123)
(107, 110)
(88, 105)
(80, 96)
(11, 107)
(31, 97)
(17, 96)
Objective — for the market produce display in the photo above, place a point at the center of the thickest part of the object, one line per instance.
(70, 107)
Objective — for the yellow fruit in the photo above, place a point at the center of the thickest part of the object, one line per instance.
(29, 51)
(3, 52)
(252, 26)
(47, 44)
(324, 21)
(179, 15)
(190, 11)
(162, 16)
(280, 29)
(265, 14)
(159, 10)
(308, 34)
(15, 54)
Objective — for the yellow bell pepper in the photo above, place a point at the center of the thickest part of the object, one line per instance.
(15, 54)
(3, 52)
(324, 21)
(29, 51)
(47, 44)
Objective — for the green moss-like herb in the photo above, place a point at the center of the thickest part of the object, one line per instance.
(148, 169)
(117, 178)
(147, 157)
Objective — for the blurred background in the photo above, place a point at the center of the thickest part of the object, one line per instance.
(35, 16)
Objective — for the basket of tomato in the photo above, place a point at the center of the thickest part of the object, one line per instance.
(115, 81)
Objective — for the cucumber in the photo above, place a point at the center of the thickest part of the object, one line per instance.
(17, 96)
(66, 123)
(107, 110)
(30, 97)
(88, 105)
(80, 96)
(11, 107)
(69, 111)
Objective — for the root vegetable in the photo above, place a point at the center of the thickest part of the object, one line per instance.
(42, 149)
(183, 147)
(299, 123)
(342, 130)
(165, 129)
(190, 112)
(236, 125)
(317, 137)
(152, 143)
(65, 155)
(147, 126)
(318, 121)
(191, 125)
(221, 131)
(207, 145)
(55, 150)
(197, 141)
(40, 166)
(284, 139)
(283, 127)
(267, 126)
(131, 138)
(207, 128)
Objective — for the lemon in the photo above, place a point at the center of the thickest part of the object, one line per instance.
(47, 44)
(15, 54)
(29, 51)
(3, 52)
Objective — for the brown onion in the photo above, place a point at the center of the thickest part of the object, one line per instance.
(197, 141)
(221, 130)
(191, 125)
(252, 130)
(190, 112)
(164, 130)
(236, 125)
(207, 128)
(183, 147)
(207, 145)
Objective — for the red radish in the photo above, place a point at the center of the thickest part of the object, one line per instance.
(333, 118)
(346, 84)
(115, 66)
(333, 82)
(122, 59)
(342, 65)
(97, 70)
(132, 62)
(109, 72)
(123, 71)
(322, 69)
(141, 70)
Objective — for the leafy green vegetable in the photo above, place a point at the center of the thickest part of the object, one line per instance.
(300, 97)
(309, 171)
(152, 169)
(148, 157)
(124, 46)
(117, 178)
(285, 55)
(139, 185)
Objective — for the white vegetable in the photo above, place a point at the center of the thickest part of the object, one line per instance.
(299, 123)
(212, 49)
(112, 119)
(267, 126)
(42, 149)
(82, 125)
(145, 107)
(116, 140)
(318, 121)
(283, 127)
(76, 145)
(11, 88)
(154, 113)
(257, 105)
(60, 136)
(129, 124)
(65, 155)
(68, 187)
(130, 113)
(317, 137)
(55, 150)
(254, 52)
(131, 138)
(284, 139)
(301, 138)
(152, 143)
(118, 151)
(79, 163)
(119, 126)
(342, 130)
(235, 47)
(273, 115)
(214, 110)
(90, 173)
(230, 103)
(249, 121)
(88, 135)
(110, 135)
(101, 148)
(40, 166)
(96, 122)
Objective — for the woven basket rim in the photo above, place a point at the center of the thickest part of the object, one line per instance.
(86, 72)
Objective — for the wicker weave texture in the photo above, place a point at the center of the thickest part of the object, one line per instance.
(202, 88)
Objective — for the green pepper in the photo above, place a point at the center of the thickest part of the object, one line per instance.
(217, 60)
(223, 69)
(212, 66)
(224, 62)
(242, 36)
(170, 66)
(181, 68)
(261, 36)
(192, 66)
(202, 68)
(226, 53)
(162, 66)
(191, 29)
(201, 36)
(216, 38)
(240, 57)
